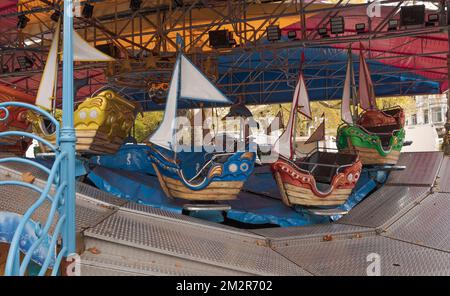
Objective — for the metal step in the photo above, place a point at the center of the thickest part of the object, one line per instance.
(119, 258)
(187, 242)
(350, 257)
(421, 169)
(443, 179)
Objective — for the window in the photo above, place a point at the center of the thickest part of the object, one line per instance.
(426, 120)
(436, 114)
(414, 119)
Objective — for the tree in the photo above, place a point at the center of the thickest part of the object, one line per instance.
(145, 124)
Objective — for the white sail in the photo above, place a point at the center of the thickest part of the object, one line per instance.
(49, 76)
(303, 99)
(346, 113)
(285, 144)
(163, 136)
(195, 85)
(366, 91)
(84, 52)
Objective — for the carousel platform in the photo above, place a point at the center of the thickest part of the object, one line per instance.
(405, 222)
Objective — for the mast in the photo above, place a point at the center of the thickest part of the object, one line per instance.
(55, 88)
(178, 97)
(367, 99)
(294, 133)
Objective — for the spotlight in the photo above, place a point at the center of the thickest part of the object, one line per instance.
(55, 16)
(273, 33)
(432, 20)
(292, 35)
(392, 24)
(88, 10)
(434, 17)
(360, 28)
(22, 21)
(220, 38)
(135, 5)
(413, 15)
(337, 25)
(323, 32)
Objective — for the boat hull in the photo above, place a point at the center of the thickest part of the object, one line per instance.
(351, 139)
(370, 156)
(216, 190)
(101, 123)
(299, 187)
(222, 181)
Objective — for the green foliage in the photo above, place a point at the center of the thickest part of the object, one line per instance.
(145, 124)
(332, 111)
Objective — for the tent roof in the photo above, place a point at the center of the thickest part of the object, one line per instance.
(400, 66)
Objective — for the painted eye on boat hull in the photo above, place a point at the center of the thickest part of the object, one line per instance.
(244, 167)
(93, 114)
(82, 115)
(233, 168)
(350, 177)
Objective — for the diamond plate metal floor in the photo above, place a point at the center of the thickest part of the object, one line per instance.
(428, 224)
(310, 232)
(123, 258)
(188, 242)
(443, 180)
(349, 257)
(384, 206)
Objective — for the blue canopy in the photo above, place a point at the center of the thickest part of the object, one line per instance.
(269, 77)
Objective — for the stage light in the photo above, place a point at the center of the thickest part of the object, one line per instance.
(273, 33)
(337, 25)
(135, 5)
(88, 10)
(392, 24)
(360, 28)
(219, 38)
(22, 21)
(323, 32)
(292, 34)
(433, 19)
(413, 15)
(55, 16)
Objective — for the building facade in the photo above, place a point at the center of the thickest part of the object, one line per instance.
(430, 109)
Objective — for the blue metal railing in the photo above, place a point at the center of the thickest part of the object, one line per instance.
(62, 204)
(61, 177)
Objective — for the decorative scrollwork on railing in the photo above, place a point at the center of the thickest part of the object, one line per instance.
(56, 217)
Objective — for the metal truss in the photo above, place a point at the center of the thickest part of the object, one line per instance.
(153, 30)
